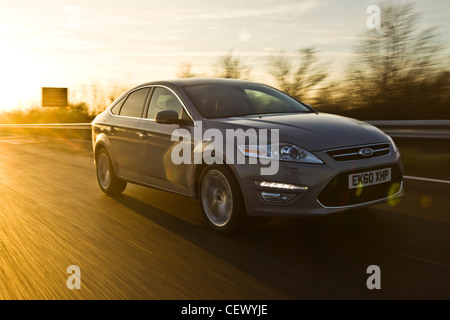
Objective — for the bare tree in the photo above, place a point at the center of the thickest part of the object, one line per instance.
(328, 98)
(185, 71)
(231, 66)
(393, 62)
(298, 80)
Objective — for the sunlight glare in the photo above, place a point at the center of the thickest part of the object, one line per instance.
(18, 79)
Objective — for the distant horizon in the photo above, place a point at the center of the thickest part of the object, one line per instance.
(82, 44)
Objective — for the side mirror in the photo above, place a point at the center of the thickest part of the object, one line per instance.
(167, 117)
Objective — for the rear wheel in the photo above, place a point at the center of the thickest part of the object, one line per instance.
(106, 177)
(221, 200)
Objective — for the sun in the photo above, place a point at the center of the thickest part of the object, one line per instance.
(19, 79)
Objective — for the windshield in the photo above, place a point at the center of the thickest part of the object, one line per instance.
(224, 100)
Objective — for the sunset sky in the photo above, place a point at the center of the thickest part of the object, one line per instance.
(77, 43)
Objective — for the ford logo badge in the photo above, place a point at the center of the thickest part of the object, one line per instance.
(366, 152)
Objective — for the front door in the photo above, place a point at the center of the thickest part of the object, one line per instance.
(156, 165)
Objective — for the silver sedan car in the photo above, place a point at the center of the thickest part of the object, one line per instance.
(244, 149)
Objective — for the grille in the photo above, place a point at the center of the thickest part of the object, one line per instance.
(337, 194)
(354, 153)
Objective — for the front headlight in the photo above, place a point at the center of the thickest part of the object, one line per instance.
(291, 152)
(284, 152)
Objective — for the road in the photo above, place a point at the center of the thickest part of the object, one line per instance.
(148, 244)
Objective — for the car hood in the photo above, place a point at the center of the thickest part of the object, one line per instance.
(311, 131)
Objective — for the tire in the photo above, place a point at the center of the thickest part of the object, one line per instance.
(221, 200)
(106, 177)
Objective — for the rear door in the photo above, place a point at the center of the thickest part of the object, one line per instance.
(124, 136)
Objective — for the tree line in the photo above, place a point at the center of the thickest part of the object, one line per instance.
(397, 72)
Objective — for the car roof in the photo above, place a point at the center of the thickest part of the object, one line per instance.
(197, 81)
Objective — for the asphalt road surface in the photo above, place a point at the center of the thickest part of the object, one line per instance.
(148, 244)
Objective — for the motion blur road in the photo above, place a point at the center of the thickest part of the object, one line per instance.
(148, 244)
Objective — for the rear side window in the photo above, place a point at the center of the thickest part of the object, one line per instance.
(135, 103)
(116, 108)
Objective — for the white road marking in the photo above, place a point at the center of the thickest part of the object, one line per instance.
(426, 179)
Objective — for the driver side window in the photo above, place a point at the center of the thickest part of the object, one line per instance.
(163, 99)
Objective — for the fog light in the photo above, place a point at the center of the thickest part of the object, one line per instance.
(276, 197)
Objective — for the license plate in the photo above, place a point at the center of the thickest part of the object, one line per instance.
(369, 178)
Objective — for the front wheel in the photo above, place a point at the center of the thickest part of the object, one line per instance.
(221, 200)
(106, 177)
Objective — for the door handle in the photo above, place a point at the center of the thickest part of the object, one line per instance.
(144, 135)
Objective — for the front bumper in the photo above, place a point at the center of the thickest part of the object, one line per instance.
(324, 193)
